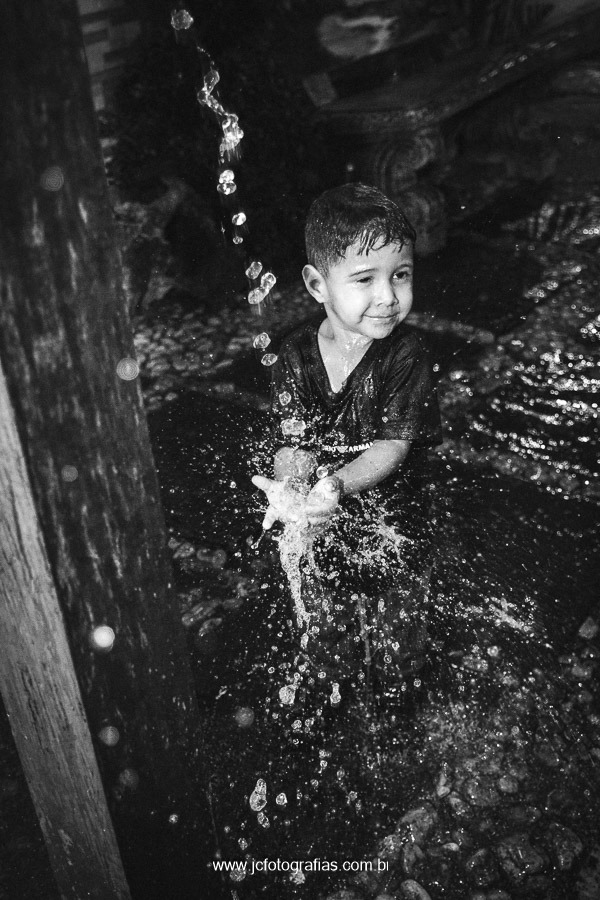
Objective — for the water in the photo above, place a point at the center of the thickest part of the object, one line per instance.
(495, 743)
(497, 740)
(483, 774)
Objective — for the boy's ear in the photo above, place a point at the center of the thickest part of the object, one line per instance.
(315, 284)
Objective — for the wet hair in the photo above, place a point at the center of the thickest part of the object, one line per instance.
(349, 214)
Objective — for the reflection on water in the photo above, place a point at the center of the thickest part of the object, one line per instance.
(480, 777)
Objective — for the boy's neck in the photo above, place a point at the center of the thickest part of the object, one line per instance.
(347, 343)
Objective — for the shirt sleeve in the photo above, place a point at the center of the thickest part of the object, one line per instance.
(408, 402)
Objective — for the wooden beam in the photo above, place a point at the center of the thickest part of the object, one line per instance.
(67, 351)
(42, 697)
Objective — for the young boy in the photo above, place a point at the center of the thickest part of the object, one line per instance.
(356, 390)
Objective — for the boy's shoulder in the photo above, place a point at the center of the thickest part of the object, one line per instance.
(299, 337)
(406, 341)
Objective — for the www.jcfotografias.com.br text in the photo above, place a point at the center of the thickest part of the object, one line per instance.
(249, 867)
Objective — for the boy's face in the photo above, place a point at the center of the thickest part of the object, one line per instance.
(365, 294)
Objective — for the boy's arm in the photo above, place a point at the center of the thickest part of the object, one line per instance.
(380, 460)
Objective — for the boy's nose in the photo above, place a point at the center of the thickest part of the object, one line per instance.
(385, 295)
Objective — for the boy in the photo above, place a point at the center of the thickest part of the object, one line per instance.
(356, 390)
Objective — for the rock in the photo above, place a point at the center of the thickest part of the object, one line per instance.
(588, 880)
(412, 857)
(518, 769)
(565, 845)
(391, 847)
(482, 868)
(458, 806)
(548, 755)
(523, 815)
(438, 870)
(518, 858)
(418, 823)
(443, 786)
(345, 895)
(508, 784)
(589, 629)
(462, 837)
(498, 894)
(480, 792)
(582, 671)
(412, 890)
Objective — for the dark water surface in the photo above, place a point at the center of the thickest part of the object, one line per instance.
(483, 777)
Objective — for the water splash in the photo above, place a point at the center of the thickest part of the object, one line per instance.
(258, 797)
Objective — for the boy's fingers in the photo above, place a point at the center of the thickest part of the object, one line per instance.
(269, 519)
(264, 484)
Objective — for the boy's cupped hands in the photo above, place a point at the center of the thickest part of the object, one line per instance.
(288, 505)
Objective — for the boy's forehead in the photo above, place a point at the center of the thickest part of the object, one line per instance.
(381, 252)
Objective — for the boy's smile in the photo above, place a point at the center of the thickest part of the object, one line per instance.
(365, 294)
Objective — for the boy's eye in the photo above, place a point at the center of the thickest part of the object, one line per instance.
(364, 280)
(402, 276)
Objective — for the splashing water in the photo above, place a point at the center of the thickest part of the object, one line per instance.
(258, 797)
(294, 545)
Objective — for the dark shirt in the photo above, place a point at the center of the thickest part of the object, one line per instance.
(389, 395)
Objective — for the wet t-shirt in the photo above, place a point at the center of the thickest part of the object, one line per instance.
(389, 395)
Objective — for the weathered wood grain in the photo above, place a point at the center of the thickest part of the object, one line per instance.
(64, 328)
(42, 697)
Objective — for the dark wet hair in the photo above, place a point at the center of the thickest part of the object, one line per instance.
(353, 213)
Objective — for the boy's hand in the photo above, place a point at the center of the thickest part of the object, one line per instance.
(285, 504)
(323, 500)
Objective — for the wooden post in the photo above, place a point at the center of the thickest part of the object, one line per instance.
(42, 696)
(68, 357)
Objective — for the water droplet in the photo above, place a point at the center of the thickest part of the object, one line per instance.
(243, 844)
(69, 473)
(281, 800)
(103, 638)
(335, 694)
(109, 735)
(211, 80)
(322, 472)
(52, 179)
(287, 694)
(244, 716)
(258, 798)
(227, 176)
(269, 359)
(297, 725)
(173, 819)
(262, 341)
(268, 281)
(207, 99)
(129, 778)
(238, 239)
(254, 270)
(239, 218)
(181, 20)
(262, 820)
(256, 296)
(285, 398)
(237, 874)
(227, 188)
(128, 369)
(293, 427)
(232, 132)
